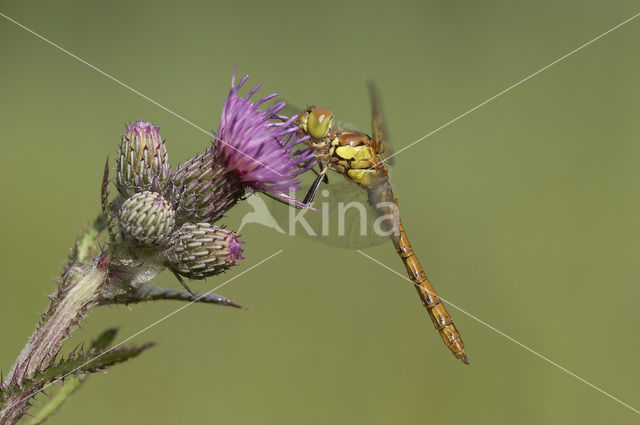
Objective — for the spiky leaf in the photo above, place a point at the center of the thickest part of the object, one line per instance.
(72, 383)
(78, 363)
(148, 292)
(104, 340)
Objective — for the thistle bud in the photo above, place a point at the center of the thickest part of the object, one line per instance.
(147, 219)
(142, 162)
(202, 250)
(203, 190)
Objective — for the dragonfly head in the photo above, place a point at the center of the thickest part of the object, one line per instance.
(318, 122)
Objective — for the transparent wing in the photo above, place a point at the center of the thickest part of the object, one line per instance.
(345, 126)
(347, 219)
(383, 203)
(378, 128)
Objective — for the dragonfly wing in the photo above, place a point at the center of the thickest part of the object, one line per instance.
(346, 126)
(378, 127)
(347, 219)
(383, 202)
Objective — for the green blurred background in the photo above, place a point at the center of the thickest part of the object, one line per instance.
(526, 212)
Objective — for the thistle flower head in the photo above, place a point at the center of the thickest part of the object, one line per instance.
(201, 250)
(146, 219)
(261, 148)
(254, 149)
(142, 162)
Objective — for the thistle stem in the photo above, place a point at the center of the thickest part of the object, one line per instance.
(46, 340)
(77, 292)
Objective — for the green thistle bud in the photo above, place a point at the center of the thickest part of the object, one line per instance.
(203, 189)
(201, 250)
(146, 219)
(142, 162)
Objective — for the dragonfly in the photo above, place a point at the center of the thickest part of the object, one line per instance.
(360, 158)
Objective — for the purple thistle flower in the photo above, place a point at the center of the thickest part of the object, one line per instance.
(255, 148)
(259, 146)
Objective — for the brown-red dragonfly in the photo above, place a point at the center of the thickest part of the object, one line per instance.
(360, 159)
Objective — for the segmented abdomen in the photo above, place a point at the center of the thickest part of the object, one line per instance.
(383, 197)
(438, 313)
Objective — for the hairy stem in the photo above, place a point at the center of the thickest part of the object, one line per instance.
(77, 292)
(45, 342)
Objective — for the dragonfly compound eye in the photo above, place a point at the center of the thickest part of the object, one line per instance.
(319, 122)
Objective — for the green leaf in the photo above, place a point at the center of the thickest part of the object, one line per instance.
(104, 340)
(149, 292)
(74, 368)
(72, 383)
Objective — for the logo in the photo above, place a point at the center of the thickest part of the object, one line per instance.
(346, 217)
(260, 215)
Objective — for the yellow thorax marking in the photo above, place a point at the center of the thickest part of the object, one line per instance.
(361, 164)
(346, 152)
(362, 153)
(359, 175)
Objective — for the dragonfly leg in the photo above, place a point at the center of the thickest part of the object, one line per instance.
(311, 194)
(317, 173)
(247, 193)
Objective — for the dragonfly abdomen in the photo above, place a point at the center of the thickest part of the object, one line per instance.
(437, 311)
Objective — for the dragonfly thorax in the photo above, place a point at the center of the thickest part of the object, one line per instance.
(351, 153)
(355, 156)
